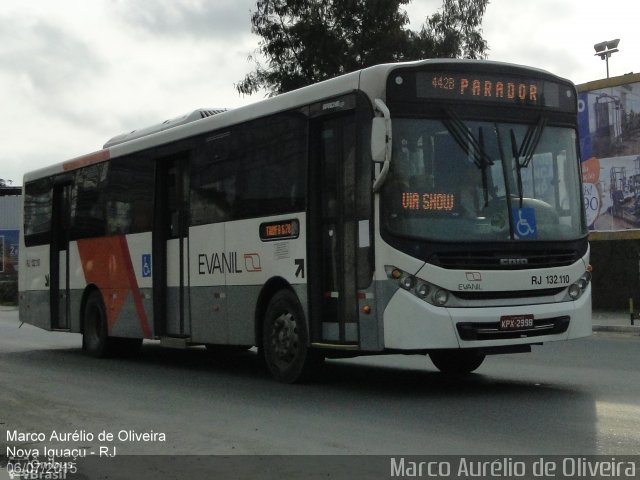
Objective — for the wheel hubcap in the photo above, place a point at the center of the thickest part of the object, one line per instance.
(284, 338)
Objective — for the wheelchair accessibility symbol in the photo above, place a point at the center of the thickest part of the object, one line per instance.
(146, 265)
(524, 223)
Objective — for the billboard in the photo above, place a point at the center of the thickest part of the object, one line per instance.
(609, 127)
(9, 252)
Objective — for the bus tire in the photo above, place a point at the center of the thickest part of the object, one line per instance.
(457, 362)
(95, 331)
(285, 340)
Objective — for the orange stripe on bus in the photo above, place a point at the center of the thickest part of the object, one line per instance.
(106, 263)
(85, 160)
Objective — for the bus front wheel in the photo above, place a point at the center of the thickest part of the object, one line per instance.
(285, 340)
(457, 362)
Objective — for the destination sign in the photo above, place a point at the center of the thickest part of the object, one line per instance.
(283, 230)
(499, 89)
(428, 201)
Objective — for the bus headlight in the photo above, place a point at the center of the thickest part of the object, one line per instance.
(408, 282)
(584, 280)
(420, 288)
(575, 291)
(578, 288)
(440, 297)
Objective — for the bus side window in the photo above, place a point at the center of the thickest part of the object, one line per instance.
(273, 152)
(88, 202)
(37, 212)
(213, 181)
(130, 195)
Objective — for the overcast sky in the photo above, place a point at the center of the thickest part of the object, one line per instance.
(74, 73)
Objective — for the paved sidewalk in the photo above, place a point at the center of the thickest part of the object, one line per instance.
(615, 321)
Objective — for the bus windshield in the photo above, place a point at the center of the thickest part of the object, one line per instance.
(454, 180)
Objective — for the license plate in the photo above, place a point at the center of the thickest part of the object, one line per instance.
(516, 322)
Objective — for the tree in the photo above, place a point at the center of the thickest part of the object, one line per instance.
(307, 41)
(454, 32)
(5, 183)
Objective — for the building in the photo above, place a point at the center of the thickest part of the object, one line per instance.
(609, 122)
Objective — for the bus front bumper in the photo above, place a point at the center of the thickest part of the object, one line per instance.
(412, 324)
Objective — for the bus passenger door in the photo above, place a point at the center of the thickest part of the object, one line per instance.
(59, 257)
(171, 248)
(332, 232)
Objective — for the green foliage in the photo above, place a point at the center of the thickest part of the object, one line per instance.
(453, 32)
(307, 41)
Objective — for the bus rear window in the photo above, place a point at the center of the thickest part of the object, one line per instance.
(37, 212)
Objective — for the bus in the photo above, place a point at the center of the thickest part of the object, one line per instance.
(430, 207)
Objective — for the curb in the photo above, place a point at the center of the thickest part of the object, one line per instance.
(617, 329)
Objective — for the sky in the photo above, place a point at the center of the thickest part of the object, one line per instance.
(74, 73)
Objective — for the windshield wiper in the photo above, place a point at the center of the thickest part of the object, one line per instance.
(530, 141)
(516, 156)
(524, 154)
(470, 145)
(463, 137)
(485, 183)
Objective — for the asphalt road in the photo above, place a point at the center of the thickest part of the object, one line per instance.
(571, 398)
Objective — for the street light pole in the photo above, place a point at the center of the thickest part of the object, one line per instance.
(605, 49)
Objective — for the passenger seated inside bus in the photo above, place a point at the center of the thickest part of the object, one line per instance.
(471, 200)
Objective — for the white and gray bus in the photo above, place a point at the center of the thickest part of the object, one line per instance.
(431, 207)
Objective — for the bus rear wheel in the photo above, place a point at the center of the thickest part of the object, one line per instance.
(95, 334)
(457, 362)
(285, 340)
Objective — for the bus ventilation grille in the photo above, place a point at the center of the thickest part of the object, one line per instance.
(167, 124)
(505, 261)
(210, 113)
(509, 294)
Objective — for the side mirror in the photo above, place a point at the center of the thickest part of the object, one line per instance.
(378, 139)
(381, 143)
